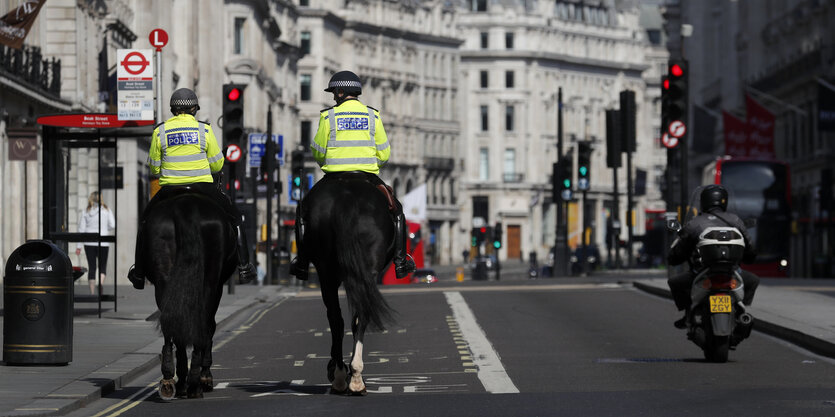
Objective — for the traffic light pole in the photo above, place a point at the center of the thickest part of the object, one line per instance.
(270, 165)
(561, 238)
(629, 213)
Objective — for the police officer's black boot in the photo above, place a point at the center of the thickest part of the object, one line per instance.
(403, 262)
(299, 265)
(246, 272)
(135, 275)
(682, 322)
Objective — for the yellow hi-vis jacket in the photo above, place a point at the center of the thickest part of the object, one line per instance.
(184, 151)
(351, 137)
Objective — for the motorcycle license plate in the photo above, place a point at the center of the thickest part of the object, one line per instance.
(720, 303)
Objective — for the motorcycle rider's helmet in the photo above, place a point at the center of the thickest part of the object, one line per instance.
(183, 100)
(347, 81)
(713, 196)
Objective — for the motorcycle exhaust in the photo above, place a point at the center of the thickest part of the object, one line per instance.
(745, 319)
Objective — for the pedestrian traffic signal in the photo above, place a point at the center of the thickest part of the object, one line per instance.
(583, 165)
(233, 113)
(675, 93)
(497, 236)
(296, 175)
(562, 179)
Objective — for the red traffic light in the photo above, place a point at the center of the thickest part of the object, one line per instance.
(483, 230)
(666, 84)
(676, 70)
(234, 94)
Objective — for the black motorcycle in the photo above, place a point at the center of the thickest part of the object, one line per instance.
(717, 321)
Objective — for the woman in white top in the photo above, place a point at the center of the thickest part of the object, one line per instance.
(94, 215)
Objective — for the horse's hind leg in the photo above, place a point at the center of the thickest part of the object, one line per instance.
(357, 385)
(337, 371)
(182, 369)
(206, 380)
(166, 386)
(194, 387)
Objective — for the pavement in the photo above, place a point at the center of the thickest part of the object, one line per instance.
(123, 343)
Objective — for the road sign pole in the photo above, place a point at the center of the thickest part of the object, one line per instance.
(158, 59)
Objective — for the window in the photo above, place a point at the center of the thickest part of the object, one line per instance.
(479, 5)
(508, 40)
(305, 43)
(239, 35)
(483, 164)
(509, 165)
(484, 125)
(305, 134)
(654, 36)
(483, 75)
(304, 3)
(305, 87)
(484, 40)
(508, 118)
(508, 79)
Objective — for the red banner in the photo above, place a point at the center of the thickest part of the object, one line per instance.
(760, 129)
(736, 135)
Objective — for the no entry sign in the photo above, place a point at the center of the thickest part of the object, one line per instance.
(135, 84)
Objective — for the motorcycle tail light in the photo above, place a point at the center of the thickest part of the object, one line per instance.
(734, 283)
(706, 284)
(722, 282)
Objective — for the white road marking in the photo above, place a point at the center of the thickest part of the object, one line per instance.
(490, 369)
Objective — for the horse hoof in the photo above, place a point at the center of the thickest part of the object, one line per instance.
(166, 389)
(361, 393)
(196, 394)
(207, 383)
(357, 386)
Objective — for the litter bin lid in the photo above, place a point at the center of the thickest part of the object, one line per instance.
(39, 258)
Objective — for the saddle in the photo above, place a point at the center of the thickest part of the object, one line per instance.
(386, 189)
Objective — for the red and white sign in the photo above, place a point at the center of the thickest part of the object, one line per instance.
(158, 38)
(669, 141)
(233, 153)
(677, 129)
(90, 120)
(135, 84)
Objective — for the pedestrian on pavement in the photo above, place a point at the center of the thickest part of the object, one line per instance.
(713, 201)
(351, 138)
(185, 153)
(96, 217)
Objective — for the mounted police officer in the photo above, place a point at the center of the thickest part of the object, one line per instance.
(713, 201)
(185, 154)
(351, 138)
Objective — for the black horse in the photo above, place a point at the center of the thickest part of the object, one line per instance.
(189, 252)
(349, 238)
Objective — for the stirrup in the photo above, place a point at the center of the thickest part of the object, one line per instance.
(137, 281)
(404, 267)
(246, 273)
(298, 270)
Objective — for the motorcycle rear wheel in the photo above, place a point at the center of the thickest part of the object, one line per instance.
(716, 349)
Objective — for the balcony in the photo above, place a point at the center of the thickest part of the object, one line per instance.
(513, 177)
(27, 66)
(434, 163)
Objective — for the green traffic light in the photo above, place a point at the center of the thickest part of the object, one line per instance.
(566, 183)
(497, 244)
(297, 181)
(474, 242)
(584, 170)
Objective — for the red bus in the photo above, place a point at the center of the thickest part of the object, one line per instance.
(759, 189)
(414, 245)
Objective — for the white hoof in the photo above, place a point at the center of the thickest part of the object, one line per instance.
(357, 385)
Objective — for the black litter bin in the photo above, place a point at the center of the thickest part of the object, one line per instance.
(38, 305)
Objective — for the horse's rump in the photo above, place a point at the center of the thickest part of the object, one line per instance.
(349, 237)
(189, 244)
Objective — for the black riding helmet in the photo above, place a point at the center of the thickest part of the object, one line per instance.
(183, 100)
(713, 196)
(347, 81)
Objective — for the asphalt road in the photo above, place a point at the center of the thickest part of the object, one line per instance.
(523, 348)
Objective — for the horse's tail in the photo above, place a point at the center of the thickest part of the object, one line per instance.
(364, 297)
(181, 313)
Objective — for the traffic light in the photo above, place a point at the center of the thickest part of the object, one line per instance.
(628, 114)
(675, 97)
(474, 237)
(233, 113)
(296, 175)
(497, 236)
(583, 165)
(562, 179)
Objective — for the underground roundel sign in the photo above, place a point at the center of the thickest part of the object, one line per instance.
(233, 153)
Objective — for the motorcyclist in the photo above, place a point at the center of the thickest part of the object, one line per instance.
(713, 201)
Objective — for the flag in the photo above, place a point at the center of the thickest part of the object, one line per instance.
(760, 129)
(736, 135)
(414, 204)
(15, 25)
(826, 107)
